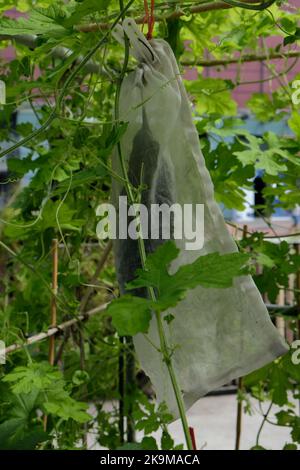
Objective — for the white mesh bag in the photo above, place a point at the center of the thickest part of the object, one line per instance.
(217, 334)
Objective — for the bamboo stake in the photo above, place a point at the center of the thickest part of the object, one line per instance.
(55, 330)
(53, 321)
(280, 322)
(53, 310)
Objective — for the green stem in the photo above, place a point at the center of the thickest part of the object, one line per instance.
(143, 256)
(262, 6)
(72, 76)
(263, 423)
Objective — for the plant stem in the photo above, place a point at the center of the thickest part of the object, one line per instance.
(263, 423)
(143, 256)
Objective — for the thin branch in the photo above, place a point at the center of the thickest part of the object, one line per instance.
(263, 423)
(237, 227)
(245, 58)
(203, 8)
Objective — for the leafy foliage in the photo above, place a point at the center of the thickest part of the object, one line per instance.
(132, 314)
(55, 183)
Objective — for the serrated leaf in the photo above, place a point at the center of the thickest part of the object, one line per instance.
(212, 96)
(42, 21)
(212, 270)
(35, 376)
(130, 315)
(68, 409)
(84, 8)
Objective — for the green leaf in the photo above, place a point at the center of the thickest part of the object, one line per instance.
(80, 179)
(19, 431)
(288, 24)
(80, 377)
(284, 418)
(290, 447)
(268, 160)
(149, 443)
(14, 435)
(166, 442)
(296, 430)
(291, 39)
(36, 376)
(47, 22)
(130, 315)
(84, 8)
(212, 270)
(294, 123)
(267, 107)
(212, 96)
(67, 408)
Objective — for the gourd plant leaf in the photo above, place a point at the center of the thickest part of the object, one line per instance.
(84, 8)
(17, 432)
(43, 379)
(42, 21)
(132, 314)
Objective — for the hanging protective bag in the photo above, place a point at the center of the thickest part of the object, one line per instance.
(217, 334)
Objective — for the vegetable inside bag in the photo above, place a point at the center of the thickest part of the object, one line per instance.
(217, 334)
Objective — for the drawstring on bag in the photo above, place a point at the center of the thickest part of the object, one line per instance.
(140, 48)
(149, 18)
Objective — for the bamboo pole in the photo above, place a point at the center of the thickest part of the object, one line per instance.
(279, 321)
(53, 309)
(55, 330)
